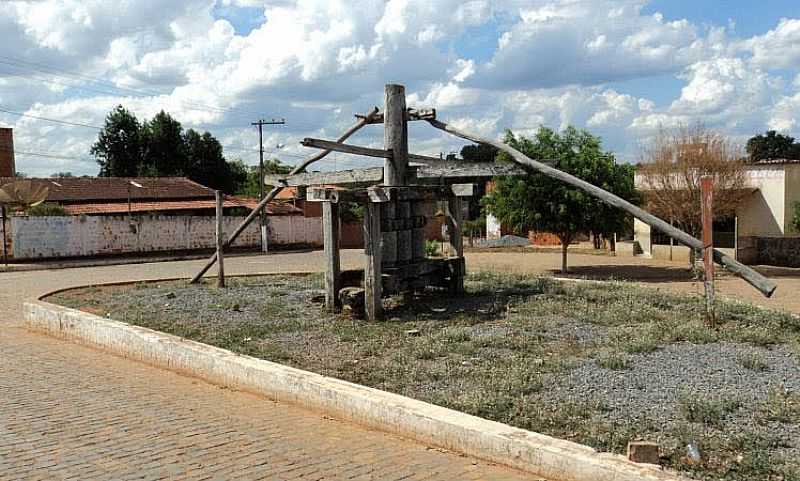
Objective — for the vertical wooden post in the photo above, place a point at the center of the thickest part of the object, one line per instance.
(404, 247)
(5, 246)
(418, 234)
(389, 243)
(330, 233)
(264, 226)
(707, 217)
(220, 240)
(395, 135)
(456, 239)
(455, 226)
(373, 304)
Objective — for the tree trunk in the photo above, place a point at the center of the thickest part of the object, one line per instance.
(565, 240)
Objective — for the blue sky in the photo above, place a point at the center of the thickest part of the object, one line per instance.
(620, 68)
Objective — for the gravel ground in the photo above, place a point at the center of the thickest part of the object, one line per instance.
(579, 361)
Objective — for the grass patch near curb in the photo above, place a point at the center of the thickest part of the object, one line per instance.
(596, 363)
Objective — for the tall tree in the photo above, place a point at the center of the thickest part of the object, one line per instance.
(540, 203)
(772, 145)
(672, 166)
(478, 153)
(164, 151)
(118, 149)
(205, 163)
(250, 185)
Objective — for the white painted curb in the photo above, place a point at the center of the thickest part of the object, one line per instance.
(551, 458)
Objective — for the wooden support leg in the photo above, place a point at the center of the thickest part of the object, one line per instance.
(330, 227)
(220, 241)
(373, 303)
(455, 228)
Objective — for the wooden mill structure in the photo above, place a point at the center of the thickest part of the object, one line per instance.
(393, 197)
(394, 214)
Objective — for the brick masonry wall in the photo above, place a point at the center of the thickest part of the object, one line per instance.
(76, 236)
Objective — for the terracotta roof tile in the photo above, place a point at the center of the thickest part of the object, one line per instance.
(99, 208)
(81, 189)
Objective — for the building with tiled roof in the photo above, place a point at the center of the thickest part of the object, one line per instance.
(120, 195)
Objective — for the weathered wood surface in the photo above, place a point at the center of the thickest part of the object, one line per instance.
(411, 115)
(405, 250)
(455, 225)
(764, 285)
(314, 143)
(395, 135)
(274, 192)
(220, 239)
(323, 194)
(373, 302)
(389, 214)
(707, 219)
(370, 176)
(330, 233)
(418, 233)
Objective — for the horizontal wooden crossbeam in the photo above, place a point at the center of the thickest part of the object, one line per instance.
(439, 170)
(412, 114)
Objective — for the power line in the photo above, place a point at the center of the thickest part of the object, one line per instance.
(46, 119)
(62, 73)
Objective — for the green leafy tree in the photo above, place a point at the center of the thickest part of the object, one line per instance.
(540, 203)
(118, 149)
(62, 174)
(606, 220)
(250, 187)
(164, 152)
(206, 163)
(772, 145)
(796, 217)
(478, 153)
(160, 147)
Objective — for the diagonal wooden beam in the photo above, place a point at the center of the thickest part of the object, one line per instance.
(764, 285)
(358, 150)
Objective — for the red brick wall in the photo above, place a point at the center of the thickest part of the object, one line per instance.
(543, 239)
(7, 166)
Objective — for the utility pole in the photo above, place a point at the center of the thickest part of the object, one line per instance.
(262, 215)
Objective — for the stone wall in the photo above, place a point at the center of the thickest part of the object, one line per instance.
(78, 236)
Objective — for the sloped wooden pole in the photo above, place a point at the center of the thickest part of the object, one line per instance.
(366, 120)
(764, 285)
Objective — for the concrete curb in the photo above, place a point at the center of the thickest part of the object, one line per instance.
(551, 458)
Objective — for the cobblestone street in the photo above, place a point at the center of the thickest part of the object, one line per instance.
(71, 412)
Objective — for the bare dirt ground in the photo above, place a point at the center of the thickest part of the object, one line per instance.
(673, 276)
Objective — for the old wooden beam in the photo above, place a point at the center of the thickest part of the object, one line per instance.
(455, 227)
(274, 192)
(411, 115)
(374, 175)
(330, 235)
(359, 150)
(707, 220)
(764, 285)
(324, 194)
(373, 302)
(395, 135)
(220, 236)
